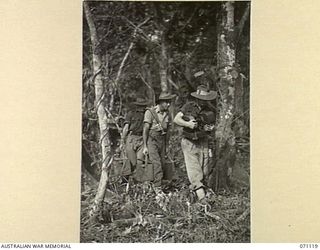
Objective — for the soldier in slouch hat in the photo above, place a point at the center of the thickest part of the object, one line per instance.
(156, 123)
(197, 121)
(132, 134)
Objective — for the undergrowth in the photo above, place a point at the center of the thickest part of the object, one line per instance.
(133, 212)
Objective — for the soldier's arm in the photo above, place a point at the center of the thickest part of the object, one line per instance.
(178, 119)
(147, 121)
(125, 132)
(126, 127)
(145, 135)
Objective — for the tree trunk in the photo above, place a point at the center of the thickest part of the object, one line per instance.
(163, 64)
(227, 72)
(163, 61)
(239, 96)
(151, 93)
(146, 77)
(100, 95)
(240, 128)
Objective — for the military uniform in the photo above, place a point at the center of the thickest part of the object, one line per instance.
(195, 144)
(156, 141)
(134, 140)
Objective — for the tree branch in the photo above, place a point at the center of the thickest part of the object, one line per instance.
(187, 22)
(113, 118)
(149, 86)
(128, 52)
(173, 83)
(242, 21)
(107, 33)
(137, 27)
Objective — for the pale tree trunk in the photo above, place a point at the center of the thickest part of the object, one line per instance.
(100, 95)
(226, 64)
(165, 75)
(163, 60)
(163, 64)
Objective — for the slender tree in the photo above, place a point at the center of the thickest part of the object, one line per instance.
(100, 97)
(105, 94)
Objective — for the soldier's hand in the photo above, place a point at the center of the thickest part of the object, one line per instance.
(208, 127)
(192, 124)
(145, 151)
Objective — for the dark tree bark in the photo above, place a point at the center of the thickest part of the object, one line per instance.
(240, 128)
(243, 20)
(238, 98)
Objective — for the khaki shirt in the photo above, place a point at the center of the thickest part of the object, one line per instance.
(163, 118)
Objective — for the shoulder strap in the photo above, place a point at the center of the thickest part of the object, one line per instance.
(155, 116)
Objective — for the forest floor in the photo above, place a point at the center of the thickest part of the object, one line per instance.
(135, 213)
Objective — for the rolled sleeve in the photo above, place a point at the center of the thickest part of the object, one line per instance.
(147, 117)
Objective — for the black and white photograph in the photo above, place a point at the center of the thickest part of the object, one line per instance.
(165, 122)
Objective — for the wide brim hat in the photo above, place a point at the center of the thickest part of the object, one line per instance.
(141, 102)
(203, 93)
(166, 96)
